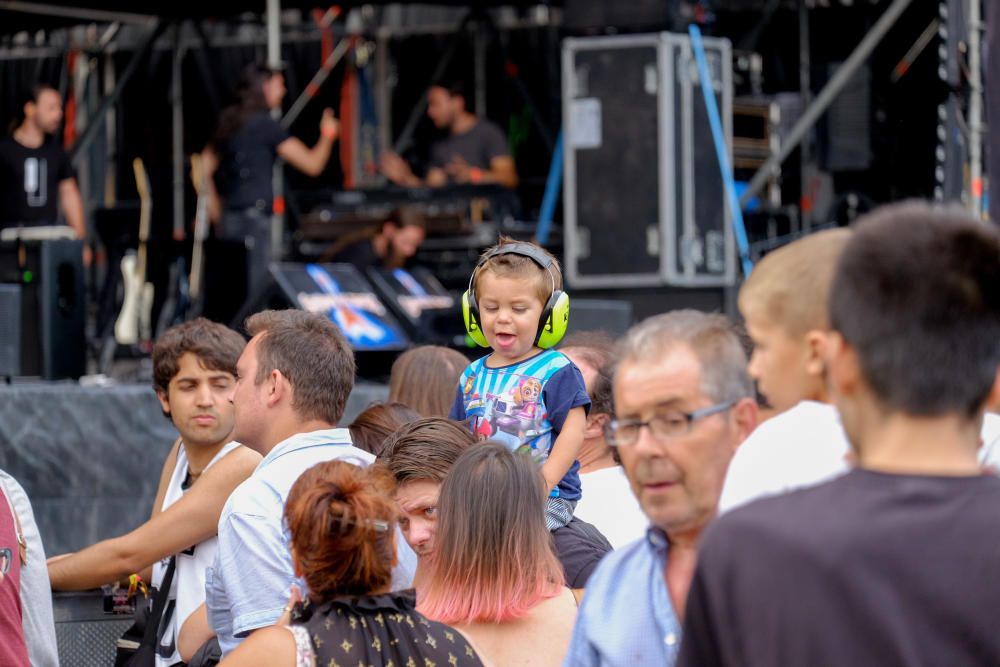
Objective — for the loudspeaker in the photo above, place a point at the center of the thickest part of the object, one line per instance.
(642, 195)
(428, 312)
(50, 275)
(10, 330)
(340, 292)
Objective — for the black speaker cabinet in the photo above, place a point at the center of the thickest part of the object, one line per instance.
(643, 192)
(50, 275)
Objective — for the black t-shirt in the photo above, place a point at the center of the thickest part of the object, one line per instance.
(29, 182)
(580, 547)
(868, 569)
(482, 143)
(361, 254)
(246, 161)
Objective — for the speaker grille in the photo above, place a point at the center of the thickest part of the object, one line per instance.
(10, 330)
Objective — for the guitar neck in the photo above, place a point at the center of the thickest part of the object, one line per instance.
(145, 214)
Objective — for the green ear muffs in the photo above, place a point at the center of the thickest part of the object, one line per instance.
(555, 315)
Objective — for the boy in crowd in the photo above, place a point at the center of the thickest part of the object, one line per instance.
(891, 562)
(194, 370)
(784, 303)
(530, 398)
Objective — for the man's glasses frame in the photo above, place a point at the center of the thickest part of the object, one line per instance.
(660, 426)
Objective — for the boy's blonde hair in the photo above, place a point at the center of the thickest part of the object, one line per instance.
(520, 266)
(790, 287)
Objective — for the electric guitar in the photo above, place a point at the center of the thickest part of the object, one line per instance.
(134, 322)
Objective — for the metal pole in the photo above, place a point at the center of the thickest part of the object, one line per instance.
(111, 135)
(805, 91)
(316, 83)
(383, 101)
(112, 99)
(274, 33)
(975, 109)
(277, 182)
(825, 97)
(479, 38)
(76, 12)
(177, 131)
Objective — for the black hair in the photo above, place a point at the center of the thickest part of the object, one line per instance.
(30, 94)
(917, 294)
(250, 101)
(453, 86)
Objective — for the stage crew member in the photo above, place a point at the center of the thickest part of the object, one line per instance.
(241, 157)
(36, 176)
(474, 150)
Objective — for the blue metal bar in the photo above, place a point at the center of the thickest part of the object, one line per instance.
(739, 229)
(552, 184)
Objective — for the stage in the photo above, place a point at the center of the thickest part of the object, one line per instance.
(90, 458)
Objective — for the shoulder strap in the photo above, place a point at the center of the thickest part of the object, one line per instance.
(162, 593)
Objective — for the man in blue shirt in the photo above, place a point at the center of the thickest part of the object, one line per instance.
(683, 404)
(292, 383)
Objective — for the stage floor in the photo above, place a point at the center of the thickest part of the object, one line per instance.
(90, 458)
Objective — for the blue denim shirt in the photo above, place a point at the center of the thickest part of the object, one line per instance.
(626, 617)
(249, 583)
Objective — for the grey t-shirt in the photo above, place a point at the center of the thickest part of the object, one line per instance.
(867, 569)
(481, 144)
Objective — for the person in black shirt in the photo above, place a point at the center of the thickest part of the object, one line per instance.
(895, 562)
(396, 240)
(475, 150)
(240, 160)
(36, 176)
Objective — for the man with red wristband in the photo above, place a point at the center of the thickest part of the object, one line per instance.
(474, 150)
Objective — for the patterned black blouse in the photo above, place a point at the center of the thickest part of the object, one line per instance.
(380, 631)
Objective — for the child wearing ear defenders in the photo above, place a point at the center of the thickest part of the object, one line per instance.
(530, 398)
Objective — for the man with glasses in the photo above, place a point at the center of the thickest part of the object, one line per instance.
(683, 404)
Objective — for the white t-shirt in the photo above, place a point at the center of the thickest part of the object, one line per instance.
(804, 446)
(187, 590)
(989, 452)
(609, 504)
(800, 447)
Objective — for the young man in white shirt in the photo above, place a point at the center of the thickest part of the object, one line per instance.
(194, 371)
(784, 303)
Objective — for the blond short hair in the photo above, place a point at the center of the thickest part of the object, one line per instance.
(790, 287)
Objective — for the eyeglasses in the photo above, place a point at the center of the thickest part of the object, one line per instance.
(664, 425)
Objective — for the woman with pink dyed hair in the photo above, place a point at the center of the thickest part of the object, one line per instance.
(493, 574)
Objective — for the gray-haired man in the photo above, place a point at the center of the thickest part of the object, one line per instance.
(683, 404)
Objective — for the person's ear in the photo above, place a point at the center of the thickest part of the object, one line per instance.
(843, 365)
(815, 342)
(993, 398)
(745, 416)
(164, 400)
(277, 388)
(595, 426)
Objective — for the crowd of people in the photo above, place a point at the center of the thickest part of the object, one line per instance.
(813, 489)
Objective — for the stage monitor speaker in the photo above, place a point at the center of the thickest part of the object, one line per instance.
(642, 201)
(429, 313)
(50, 275)
(611, 316)
(10, 330)
(344, 295)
